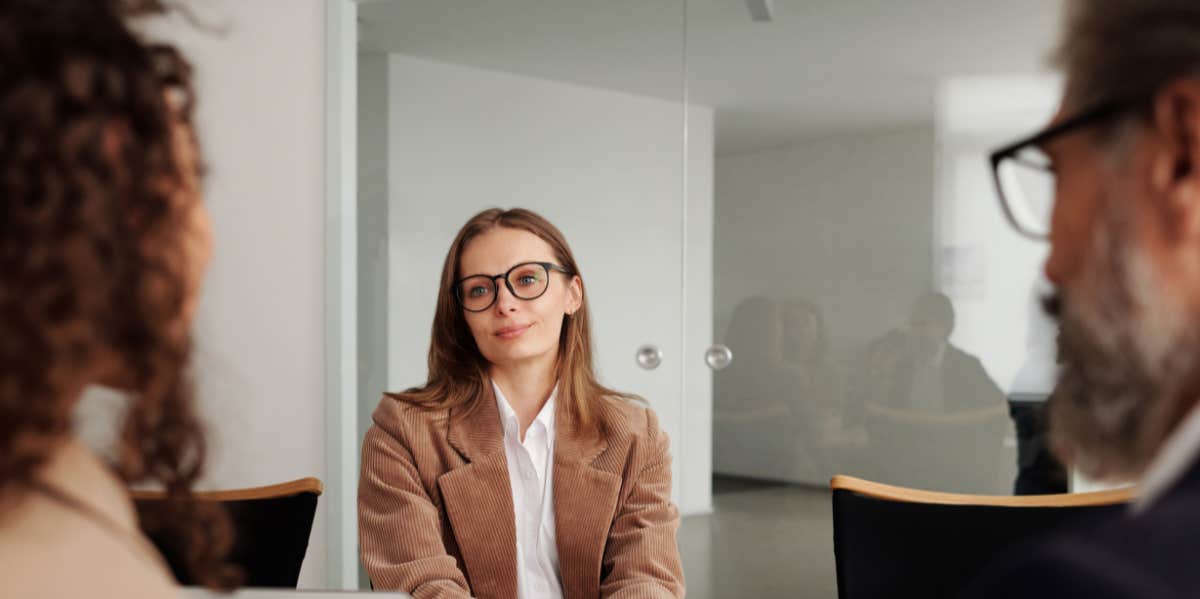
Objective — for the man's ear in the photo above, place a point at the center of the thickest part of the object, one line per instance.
(1175, 159)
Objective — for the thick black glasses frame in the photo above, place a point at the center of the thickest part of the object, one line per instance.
(549, 266)
(1088, 117)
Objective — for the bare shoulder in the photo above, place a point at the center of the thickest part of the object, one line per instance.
(47, 550)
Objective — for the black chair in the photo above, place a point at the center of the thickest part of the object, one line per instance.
(897, 542)
(271, 526)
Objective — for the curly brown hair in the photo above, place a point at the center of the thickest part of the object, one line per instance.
(94, 265)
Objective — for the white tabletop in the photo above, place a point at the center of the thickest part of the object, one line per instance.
(198, 593)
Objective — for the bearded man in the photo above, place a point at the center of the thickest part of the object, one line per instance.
(1114, 184)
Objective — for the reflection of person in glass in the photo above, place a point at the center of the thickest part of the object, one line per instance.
(758, 422)
(934, 417)
(752, 430)
(512, 472)
(805, 350)
(777, 406)
(923, 372)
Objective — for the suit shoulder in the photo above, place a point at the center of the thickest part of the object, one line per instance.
(954, 353)
(629, 417)
(399, 415)
(1067, 566)
(633, 435)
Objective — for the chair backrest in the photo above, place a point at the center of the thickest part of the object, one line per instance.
(897, 542)
(271, 525)
(959, 452)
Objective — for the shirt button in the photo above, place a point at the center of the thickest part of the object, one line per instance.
(527, 473)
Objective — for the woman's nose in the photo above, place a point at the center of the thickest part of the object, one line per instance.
(505, 300)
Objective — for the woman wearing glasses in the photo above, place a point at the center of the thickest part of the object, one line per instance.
(512, 472)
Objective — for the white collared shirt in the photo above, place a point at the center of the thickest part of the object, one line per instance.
(530, 474)
(1176, 455)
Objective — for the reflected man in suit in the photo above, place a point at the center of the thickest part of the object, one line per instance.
(928, 374)
(934, 418)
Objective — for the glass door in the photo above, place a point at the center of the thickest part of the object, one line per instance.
(872, 313)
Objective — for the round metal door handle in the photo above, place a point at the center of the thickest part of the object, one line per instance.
(649, 357)
(718, 357)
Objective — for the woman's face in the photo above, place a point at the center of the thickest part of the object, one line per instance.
(802, 327)
(197, 229)
(514, 331)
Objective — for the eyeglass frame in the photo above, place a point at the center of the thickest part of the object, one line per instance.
(1095, 115)
(456, 288)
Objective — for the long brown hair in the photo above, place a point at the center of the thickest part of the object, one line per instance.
(92, 249)
(458, 371)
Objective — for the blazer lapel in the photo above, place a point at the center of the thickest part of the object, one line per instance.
(478, 501)
(585, 501)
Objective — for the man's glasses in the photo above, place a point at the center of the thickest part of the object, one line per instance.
(526, 281)
(1024, 177)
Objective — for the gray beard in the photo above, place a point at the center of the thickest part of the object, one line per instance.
(1128, 356)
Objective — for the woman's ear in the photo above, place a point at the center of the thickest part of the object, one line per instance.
(574, 295)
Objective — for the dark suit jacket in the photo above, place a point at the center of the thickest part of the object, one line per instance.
(1153, 554)
(966, 386)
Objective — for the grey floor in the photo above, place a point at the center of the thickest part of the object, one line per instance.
(762, 540)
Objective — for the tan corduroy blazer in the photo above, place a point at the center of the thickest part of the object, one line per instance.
(435, 508)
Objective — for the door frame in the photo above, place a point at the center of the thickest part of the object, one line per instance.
(341, 292)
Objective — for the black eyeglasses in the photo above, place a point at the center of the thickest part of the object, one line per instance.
(1024, 177)
(526, 281)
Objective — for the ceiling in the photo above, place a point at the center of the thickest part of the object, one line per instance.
(821, 67)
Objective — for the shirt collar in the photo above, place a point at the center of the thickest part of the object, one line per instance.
(1178, 454)
(508, 416)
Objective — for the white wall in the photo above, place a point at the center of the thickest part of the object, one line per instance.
(993, 273)
(260, 329)
(607, 168)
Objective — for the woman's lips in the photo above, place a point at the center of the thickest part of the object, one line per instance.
(512, 332)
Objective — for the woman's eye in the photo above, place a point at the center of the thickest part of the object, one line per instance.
(478, 291)
(527, 280)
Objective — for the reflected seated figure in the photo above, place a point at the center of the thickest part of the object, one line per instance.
(778, 396)
(934, 417)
